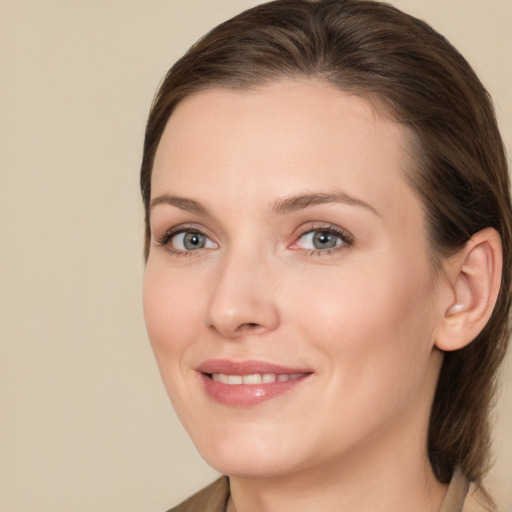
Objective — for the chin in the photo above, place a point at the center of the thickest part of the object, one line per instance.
(248, 455)
(246, 466)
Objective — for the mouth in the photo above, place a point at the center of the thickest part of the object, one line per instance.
(254, 378)
(248, 383)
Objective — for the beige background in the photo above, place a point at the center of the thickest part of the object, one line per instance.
(85, 422)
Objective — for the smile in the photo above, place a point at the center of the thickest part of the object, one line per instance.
(248, 383)
(255, 378)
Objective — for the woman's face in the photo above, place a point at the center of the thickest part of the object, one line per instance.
(288, 295)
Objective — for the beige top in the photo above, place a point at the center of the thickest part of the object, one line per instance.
(214, 498)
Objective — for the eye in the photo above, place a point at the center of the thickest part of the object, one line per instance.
(185, 241)
(319, 240)
(323, 239)
(191, 241)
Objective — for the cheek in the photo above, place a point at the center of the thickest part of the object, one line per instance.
(375, 320)
(170, 312)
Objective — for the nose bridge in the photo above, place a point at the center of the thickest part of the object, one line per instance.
(242, 299)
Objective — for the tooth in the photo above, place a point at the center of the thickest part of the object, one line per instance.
(235, 379)
(254, 378)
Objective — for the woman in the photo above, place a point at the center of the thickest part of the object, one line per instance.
(328, 231)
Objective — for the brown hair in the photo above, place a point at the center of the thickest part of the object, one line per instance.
(374, 50)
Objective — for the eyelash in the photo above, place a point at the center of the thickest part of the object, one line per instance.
(346, 238)
(164, 239)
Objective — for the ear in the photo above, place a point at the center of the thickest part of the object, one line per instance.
(474, 275)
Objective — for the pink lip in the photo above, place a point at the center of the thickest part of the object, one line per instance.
(246, 367)
(247, 395)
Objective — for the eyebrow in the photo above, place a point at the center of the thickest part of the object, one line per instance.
(292, 204)
(281, 206)
(182, 203)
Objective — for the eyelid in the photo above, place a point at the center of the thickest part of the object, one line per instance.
(346, 237)
(164, 239)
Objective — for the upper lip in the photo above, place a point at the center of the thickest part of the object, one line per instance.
(228, 367)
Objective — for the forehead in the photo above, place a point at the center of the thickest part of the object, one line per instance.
(291, 129)
(293, 134)
(294, 108)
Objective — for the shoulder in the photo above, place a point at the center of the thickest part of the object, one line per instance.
(478, 500)
(464, 496)
(213, 498)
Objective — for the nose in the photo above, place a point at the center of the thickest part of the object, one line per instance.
(242, 299)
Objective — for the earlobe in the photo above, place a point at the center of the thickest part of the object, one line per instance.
(475, 275)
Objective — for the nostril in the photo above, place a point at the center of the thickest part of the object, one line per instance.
(249, 325)
(242, 328)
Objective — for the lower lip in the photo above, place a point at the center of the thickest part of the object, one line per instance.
(248, 395)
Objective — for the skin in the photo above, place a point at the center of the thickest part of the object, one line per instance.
(363, 317)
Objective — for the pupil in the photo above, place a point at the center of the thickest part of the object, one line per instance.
(193, 241)
(323, 240)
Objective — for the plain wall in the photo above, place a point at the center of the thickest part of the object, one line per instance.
(85, 421)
